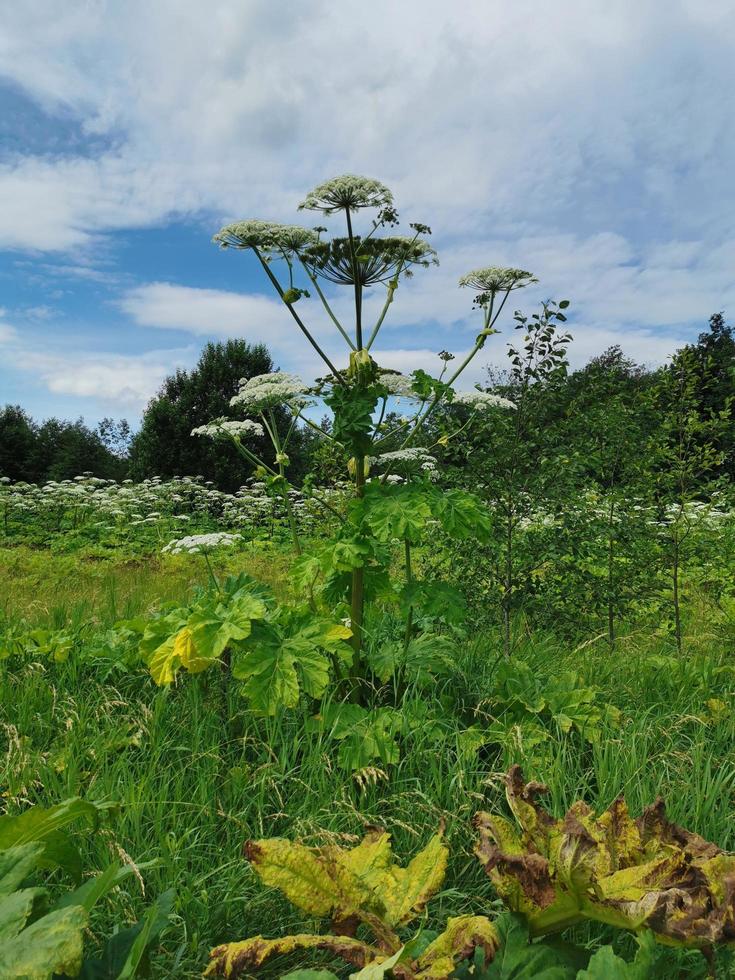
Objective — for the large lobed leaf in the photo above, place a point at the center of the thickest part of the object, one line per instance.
(633, 874)
(288, 655)
(362, 882)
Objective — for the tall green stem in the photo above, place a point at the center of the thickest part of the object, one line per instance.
(358, 286)
(273, 429)
(297, 318)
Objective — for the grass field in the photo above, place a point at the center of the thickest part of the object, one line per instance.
(195, 773)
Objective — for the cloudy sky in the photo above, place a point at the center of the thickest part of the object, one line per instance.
(590, 141)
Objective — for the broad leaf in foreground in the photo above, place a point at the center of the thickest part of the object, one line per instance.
(633, 874)
(359, 886)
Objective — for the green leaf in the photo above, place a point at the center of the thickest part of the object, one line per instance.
(214, 630)
(126, 951)
(434, 599)
(606, 965)
(461, 514)
(366, 735)
(15, 910)
(519, 959)
(51, 944)
(271, 678)
(45, 824)
(396, 511)
(16, 863)
(353, 409)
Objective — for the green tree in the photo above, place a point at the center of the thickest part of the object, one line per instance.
(509, 463)
(53, 450)
(685, 457)
(164, 445)
(18, 433)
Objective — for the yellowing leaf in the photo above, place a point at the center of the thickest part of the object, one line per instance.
(52, 944)
(232, 960)
(463, 935)
(363, 881)
(163, 661)
(185, 649)
(633, 874)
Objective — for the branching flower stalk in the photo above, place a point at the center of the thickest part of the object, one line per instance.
(359, 393)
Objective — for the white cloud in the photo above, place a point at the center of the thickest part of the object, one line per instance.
(589, 142)
(113, 381)
(7, 333)
(207, 311)
(481, 113)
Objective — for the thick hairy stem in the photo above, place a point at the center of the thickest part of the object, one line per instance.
(358, 286)
(357, 598)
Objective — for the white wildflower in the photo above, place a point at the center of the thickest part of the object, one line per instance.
(268, 390)
(195, 544)
(266, 236)
(413, 458)
(229, 427)
(497, 279)
(398, 385)
(481, 401)
(348, 191)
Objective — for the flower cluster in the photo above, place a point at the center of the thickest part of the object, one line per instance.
(481, 401)
(348, 191)
(266, 391)
(378, 259)
(398, 385)
(266, 236)
(497, 279)
(413, 458)
(223, 427)
(199, 544)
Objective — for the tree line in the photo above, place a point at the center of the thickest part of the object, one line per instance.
(591, 423)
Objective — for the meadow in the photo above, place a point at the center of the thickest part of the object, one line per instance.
(415, 719)
(194, 773)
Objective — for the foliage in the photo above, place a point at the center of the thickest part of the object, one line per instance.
(55, 449)
(632, 874)
(41, 937)
(164, 447)
(360, 886)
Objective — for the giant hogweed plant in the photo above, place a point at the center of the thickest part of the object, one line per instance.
(384, 505)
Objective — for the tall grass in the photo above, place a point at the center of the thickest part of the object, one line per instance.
(196, 774)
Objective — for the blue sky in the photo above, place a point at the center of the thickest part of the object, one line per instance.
(590, 142)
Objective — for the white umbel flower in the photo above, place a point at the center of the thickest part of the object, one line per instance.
(413, 458)
(348, 191)
(268, 390)
(229, 427)
(198, 544)
(481, 401)
(398, 385)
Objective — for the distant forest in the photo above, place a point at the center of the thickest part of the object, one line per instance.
(55, 449)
